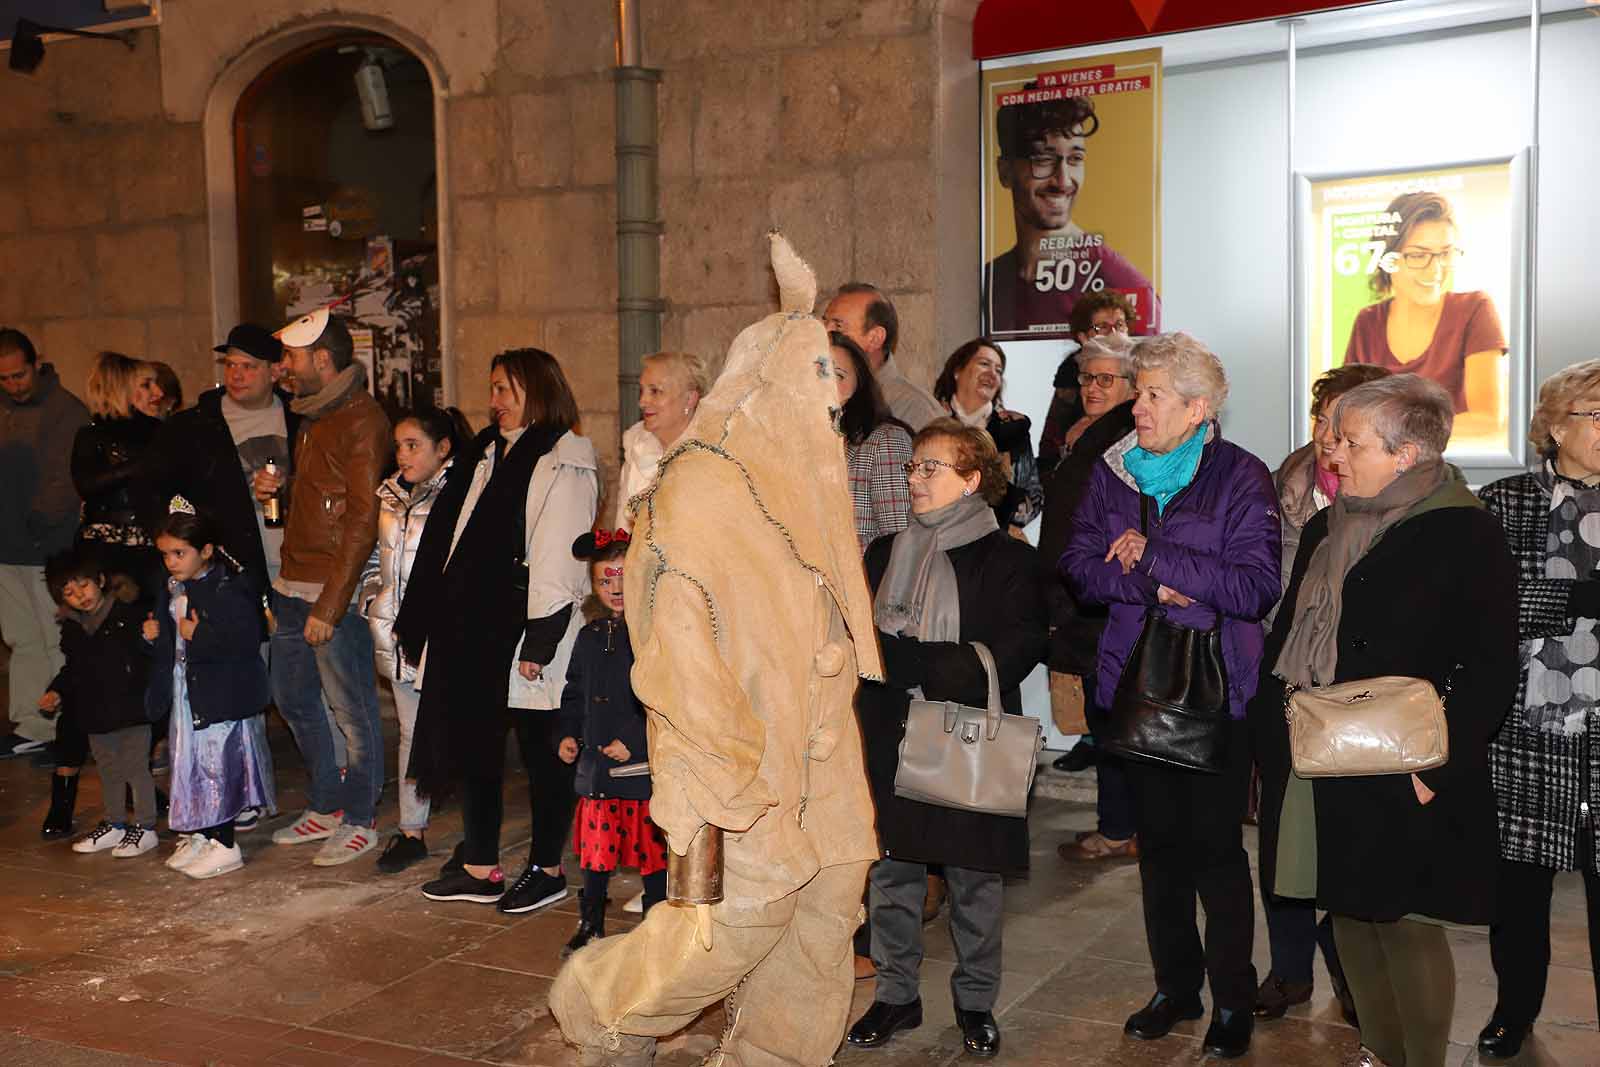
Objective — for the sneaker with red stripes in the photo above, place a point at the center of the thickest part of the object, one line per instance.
(310, 826)
(345, 844)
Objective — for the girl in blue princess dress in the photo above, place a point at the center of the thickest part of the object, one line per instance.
(205, 636)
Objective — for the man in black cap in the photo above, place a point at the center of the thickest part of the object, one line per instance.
(210, 452)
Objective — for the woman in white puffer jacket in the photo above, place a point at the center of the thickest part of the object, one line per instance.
(425, 445)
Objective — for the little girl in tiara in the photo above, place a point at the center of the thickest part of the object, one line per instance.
(206, 632)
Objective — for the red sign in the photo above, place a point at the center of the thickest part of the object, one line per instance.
(1015, 27)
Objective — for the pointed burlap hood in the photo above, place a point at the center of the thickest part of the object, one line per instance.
(772, 416)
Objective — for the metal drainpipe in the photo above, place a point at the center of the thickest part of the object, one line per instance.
(639, 303)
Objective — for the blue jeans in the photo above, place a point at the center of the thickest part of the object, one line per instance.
(341, 671)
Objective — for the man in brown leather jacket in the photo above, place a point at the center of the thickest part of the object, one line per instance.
(321, 648)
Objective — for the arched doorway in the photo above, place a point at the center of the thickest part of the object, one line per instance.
(336, 201)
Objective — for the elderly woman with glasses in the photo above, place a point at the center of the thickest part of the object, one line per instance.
(1103, 315)
(1107, 384)
(1180, 521)
(950, 578)
(1404, 574)
(1545, 761)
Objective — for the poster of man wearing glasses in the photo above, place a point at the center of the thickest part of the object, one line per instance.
(1073, 204)
(1413, 271)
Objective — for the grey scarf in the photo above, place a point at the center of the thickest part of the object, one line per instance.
(917, 596)
(350, 380)
(1311, 654)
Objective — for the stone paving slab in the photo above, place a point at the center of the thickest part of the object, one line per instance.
(124, 963)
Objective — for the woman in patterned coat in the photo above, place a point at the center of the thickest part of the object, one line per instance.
(1545, 763)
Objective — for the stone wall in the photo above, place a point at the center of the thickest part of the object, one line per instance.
(844, 122)
(102, 213)
(820, 119)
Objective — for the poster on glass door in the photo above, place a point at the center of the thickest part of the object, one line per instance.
(1420, 271)
(1072, 149)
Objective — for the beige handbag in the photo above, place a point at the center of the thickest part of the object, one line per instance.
(1387, 725)
(974, 759)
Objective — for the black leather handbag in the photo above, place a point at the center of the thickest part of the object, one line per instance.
(1171, 703)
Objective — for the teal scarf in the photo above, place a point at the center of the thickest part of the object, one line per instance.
(1164, 475)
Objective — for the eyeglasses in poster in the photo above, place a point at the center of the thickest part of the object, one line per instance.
(1422, 271)
(1072, 203)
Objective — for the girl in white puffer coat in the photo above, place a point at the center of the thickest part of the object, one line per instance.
(425, 445)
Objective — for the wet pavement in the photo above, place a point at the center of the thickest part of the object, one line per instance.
(123, 962)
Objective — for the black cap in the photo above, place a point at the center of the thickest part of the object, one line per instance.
(253, 340)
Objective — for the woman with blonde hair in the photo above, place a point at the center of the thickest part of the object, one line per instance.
(107, 467)
(670, 387)
(1542, 762)
(108, 454)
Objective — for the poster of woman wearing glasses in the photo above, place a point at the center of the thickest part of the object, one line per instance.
(1413, 271)
(1072, 204)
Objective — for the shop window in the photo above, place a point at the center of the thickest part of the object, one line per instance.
(338, 205)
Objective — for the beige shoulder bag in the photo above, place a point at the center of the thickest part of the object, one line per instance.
(974, 759)
(1387, 725)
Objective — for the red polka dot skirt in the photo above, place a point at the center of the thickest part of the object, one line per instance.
(608, 833)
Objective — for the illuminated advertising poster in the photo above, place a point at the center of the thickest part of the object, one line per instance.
(1417, 271)
(1071, 204)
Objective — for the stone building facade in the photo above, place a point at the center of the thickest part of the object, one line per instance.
(851, 124)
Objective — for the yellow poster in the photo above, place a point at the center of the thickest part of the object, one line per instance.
(1413, 271)
(1072, 204)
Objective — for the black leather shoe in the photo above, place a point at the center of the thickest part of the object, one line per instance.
(1080, 757)
(1501, 1040)
(1157, 1018)
(1231, 1039)
(979, 1032)
(1277, 996)
(880, 1022)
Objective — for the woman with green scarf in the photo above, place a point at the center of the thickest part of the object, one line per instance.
(1404, 574)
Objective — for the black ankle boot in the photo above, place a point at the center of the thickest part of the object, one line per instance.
(63, 799)
(591, 924)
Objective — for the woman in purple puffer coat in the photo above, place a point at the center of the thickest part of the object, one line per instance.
(1209, 547)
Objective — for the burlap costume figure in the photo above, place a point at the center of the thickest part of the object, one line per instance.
(751, 620)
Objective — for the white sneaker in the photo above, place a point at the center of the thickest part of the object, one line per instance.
(190, 846)
(135, 842)
(215, 858)
(310, 826)
(100, 838)
(345, 844)
(635, 903)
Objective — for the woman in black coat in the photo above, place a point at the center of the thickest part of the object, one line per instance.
(1106, 384)
(970, 388)
(1405, 574)
(108, 466)
(951, 578)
